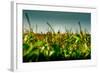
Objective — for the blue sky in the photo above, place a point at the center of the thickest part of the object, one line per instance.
(58, 20)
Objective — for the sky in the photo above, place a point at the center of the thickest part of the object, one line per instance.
(58, 20)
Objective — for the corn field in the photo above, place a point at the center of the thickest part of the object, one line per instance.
(56, 46)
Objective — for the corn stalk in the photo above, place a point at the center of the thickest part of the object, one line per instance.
(28, 22)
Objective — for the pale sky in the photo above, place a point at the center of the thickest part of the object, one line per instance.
(58, 20)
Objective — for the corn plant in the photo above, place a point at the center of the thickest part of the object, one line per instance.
(55, 46)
